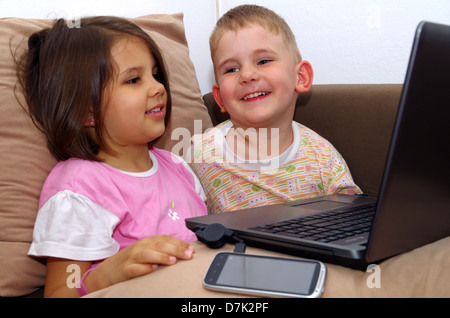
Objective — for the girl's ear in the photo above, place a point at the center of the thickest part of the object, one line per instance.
(218, 98)
(90, 122)
(305, 76)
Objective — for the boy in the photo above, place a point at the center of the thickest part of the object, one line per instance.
(261, 156)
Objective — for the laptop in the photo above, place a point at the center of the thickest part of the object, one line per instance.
(413, 205)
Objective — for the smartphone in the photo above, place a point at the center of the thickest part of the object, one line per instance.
(265, 276)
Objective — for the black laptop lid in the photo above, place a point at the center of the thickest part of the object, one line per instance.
(414, 203)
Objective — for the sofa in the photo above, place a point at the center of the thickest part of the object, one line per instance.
(356, 119)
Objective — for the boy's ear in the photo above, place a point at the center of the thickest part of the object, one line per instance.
(218, 98)
(305, 76)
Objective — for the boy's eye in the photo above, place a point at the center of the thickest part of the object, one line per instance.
(134, 80)
(231, 70)
(264, 61)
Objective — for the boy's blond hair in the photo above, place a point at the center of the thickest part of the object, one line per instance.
(246, 15)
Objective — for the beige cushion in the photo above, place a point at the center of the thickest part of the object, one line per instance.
(25, 160)
(422, 272)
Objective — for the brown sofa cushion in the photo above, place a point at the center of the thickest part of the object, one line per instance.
(25, 160)
(356, 118)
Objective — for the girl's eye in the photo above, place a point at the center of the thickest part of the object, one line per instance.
(134, 80)
(158, 77)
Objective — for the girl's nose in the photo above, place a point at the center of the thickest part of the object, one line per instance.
(156, 88)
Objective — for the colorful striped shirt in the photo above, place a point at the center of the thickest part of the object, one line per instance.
(310, 167)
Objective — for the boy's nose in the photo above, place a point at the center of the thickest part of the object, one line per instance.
(248, 74)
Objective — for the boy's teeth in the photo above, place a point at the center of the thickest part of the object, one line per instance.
(254, 95)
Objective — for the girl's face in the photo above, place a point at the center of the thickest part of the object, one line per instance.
(136, 101)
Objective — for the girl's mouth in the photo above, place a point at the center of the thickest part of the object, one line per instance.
(156, 112)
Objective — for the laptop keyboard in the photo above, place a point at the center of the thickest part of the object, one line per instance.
(324, 227)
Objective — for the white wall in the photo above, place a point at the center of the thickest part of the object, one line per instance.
(347, 41)
(355, 41)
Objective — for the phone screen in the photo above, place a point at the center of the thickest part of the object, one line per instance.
(278, 275)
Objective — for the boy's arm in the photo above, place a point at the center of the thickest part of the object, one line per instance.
(341, 180)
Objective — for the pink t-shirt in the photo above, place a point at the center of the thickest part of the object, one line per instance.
(89, 210)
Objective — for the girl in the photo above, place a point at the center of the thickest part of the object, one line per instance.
(114, 206)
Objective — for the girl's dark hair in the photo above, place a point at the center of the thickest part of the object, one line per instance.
(63, 76)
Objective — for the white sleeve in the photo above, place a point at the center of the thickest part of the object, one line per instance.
(71, 226)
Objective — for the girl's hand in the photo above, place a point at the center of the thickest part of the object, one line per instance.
(138, 259)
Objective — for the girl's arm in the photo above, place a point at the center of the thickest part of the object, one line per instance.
(135, 260)
(61, 277)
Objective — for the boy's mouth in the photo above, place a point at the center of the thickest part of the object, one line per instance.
(254, 95)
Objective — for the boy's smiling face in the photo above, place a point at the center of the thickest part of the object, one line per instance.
(258, 78)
